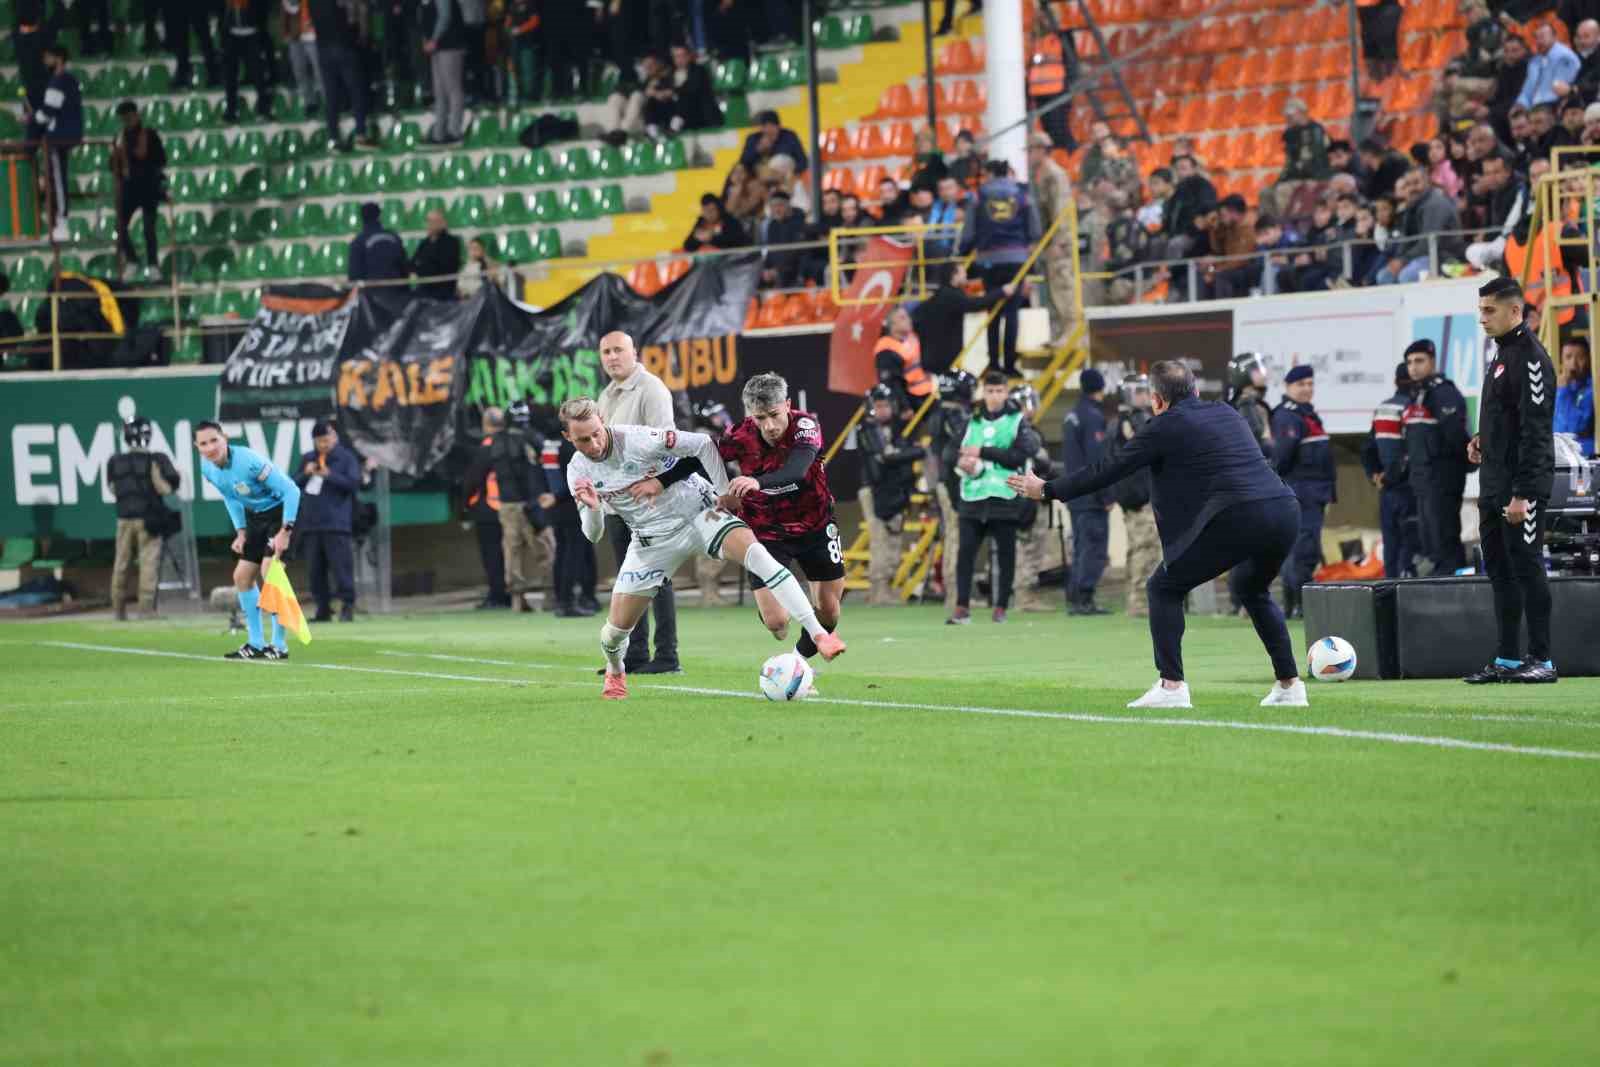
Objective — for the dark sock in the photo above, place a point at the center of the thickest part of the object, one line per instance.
(807, 647)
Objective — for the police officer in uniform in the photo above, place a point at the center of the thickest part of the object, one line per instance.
(1435, 429)
(1133, 495)
(512, 456)
(1303, 458)
(947, 426)
(1383, 457)
(1515, 453)
(888, 476)
(1037, 532)
(1247, 392)
(139, 479)
(1083, 444)
(1000, 230)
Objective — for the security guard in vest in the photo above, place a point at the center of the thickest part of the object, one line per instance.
(511, 477)
(1303, 457)
(1383, 457)
(1515, 450)
(1247, 391)
(139, 479)
(1435, 430)
(898, 358)
(998, 443)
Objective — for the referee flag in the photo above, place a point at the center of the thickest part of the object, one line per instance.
(277, 598)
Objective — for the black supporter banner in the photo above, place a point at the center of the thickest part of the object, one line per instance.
(285, 364)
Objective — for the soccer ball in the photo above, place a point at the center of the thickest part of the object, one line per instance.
(786, 676)
(1331, 659)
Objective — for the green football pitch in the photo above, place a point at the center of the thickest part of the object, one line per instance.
(426, 840)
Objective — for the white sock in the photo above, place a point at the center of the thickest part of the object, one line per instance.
(781, 584)
(614, 643)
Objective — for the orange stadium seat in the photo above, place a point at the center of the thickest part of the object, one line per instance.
(957, 58)
(644, 278)
(867, 181)
(901, 140)
(675, 269)
(896, 102)
(752, 314)
(867, 141)
(836, 145)
(968, 97)
(840, 179)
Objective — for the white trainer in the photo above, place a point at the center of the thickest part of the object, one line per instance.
(1292, 697)
(1160, 696)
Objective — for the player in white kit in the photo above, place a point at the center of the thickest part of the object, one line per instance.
(646, 476)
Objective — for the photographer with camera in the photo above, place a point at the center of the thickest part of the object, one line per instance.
(888, 480)
(139, 479)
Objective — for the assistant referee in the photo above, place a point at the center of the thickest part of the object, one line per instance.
(1515, 453)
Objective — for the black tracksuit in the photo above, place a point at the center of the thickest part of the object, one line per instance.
(1218, 505)
(1516, 415)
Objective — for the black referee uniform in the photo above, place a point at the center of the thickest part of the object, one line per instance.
(1516, 413)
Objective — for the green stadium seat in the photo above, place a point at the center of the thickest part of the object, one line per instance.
(457, 172)
(345, 218)
(497, 169)
(79, 228)
(486, 132)
(10, 126)
(793, 68)
(101, 122)
(269, 224)
(639, 157)
(416, 173)
(512, 210)
(155, 79)
(735, 110)
(858, 29)
(191, 229)
(340, 179)
(190, 114)
(184, 187)
(211, 150)
(540, 166)
(412, 219)
(829, 30)
(288, 146)
(433, 202)
(608, 162)
(104, 231)
(293, 182)
(179, 154)
(235, 304)
(218, 265)
(548, 245)
(517, 247)
(299, 261)
(101, 265)
(71, 264)
(261, 261)
(248, 149)
(159, 116)
(332, 258)
(611, 201)
(671, 155)
(252, 184)
(228, 226)
(31, 276)
(580, 203)
(180, 263)
(155, 312)
(189, 350)
(207, 305)
(730, 75)
(768, 74)
(163, 229)
(94, 185)
(404, 137)
(378, 176)
(547, 207)
(575, 165)
(468, 212)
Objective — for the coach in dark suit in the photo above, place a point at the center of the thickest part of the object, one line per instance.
(1218, 505)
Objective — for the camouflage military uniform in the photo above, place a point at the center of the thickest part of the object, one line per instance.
(1053, 190)
(1144, 555)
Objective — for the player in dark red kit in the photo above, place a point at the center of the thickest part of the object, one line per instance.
(782, 492)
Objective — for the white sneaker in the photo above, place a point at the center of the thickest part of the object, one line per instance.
(60, 232)
(1292, 697)
(1160, 696)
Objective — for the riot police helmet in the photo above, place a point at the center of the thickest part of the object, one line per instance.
(136, 432)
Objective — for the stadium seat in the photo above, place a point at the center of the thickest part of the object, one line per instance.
(895, 102)
(291, 182)
(228, 226)
(735, 108)
(252, 184)
(211, 150)
(268, 223)
(456, 171)
(517, 247)
(219, 184)
(574, 165)
(332, 258)
(645, 278)
(191, 228)
(768, 75)
(673, 269)
(548, 244)
(829, 32)
(403, 137)
(155, 79)
(608, 162)
(416, 174)
(288, 146)
(486, 132)
(729, 76)
(640, 159)
(578, 204)
(511, 209)
(308, 220)
(298, 261)
(468, 212)
(378, 176)
(345, 218)
(867, 142)
(611, 201)
(541, 167)
(672, 155)
(248, 149)
(339, 179)
(497, 169)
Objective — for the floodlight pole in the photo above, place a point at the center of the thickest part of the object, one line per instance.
(810, 31)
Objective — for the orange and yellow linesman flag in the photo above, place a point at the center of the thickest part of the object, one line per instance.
(277, 598)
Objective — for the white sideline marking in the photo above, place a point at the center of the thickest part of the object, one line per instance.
(1386, 737)
(490, 662)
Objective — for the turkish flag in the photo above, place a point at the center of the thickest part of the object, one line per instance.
(858, 326)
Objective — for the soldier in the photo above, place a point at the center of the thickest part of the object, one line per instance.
(509, 467)
(1435, 429)
(713, 420)
(1247, 390)
(139, 479)
(1383, 457)
(1053, 192)
(1037, 533)
(1133, 495)
(948, 425)
(888, 478)
(1304, 460)
(1083, 444)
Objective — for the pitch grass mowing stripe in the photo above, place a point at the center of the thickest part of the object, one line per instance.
(1382, 736)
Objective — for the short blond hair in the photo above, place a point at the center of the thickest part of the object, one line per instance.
(578, 409)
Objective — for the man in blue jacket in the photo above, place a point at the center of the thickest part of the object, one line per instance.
(1083, 444)
(1218, 505)
(59, 124)
(329, 478)
(1001, 229)
(376, 253)
(1383, 457)
(1303, 456)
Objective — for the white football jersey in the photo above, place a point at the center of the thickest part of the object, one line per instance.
(640, 452)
